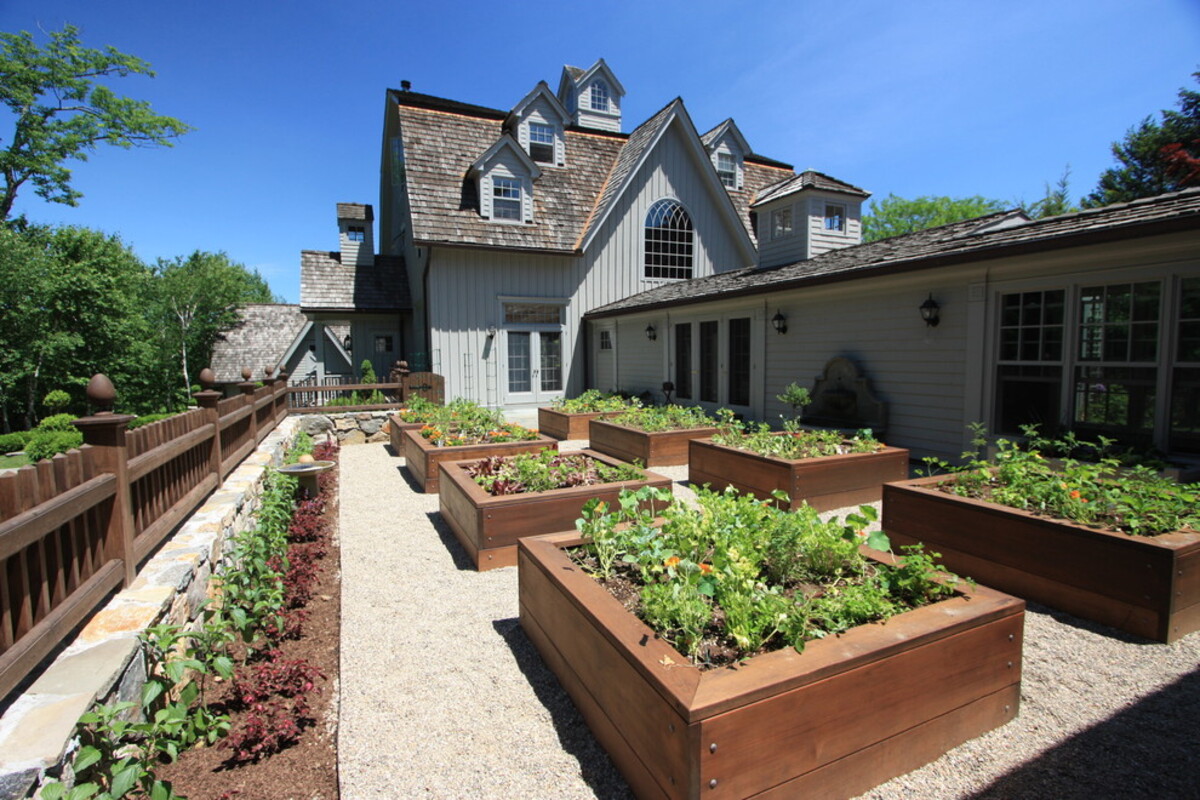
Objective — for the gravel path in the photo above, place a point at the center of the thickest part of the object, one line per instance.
(442, 696)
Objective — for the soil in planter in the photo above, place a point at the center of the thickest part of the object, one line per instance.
(307, 769)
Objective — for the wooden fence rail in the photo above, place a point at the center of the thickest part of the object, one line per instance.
(75, 527)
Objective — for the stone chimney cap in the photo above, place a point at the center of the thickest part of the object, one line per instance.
(356, 211)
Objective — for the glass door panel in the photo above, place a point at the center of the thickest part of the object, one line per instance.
(550, 361)
(520, 365)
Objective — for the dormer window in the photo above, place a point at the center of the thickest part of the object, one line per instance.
(506, 198)
(356, 233)
(781, 223)
(727, 169)
(541, 142)
(599, 96)
(835, 217)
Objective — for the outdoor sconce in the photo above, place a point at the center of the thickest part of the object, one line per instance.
(491, 332)
(346, 342)
(929, 312)
(780, 322)
(651, 334)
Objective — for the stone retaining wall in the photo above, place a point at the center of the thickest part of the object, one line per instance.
(355, 427)
(104, 663)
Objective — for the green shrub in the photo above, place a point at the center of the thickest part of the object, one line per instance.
(11, 442)
(45, 444)
(56, 400)
(146, 419)
(57, 422)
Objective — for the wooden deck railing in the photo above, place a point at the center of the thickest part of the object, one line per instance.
(75, 527)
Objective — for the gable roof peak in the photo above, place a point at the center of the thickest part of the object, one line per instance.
(711, 138)
(507, 141)
(542, 91)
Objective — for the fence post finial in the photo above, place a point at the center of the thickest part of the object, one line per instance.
(101, 393)
(208, 379)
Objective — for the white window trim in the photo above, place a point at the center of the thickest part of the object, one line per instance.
(845, 229)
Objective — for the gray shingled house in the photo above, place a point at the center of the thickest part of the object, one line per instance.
(512, 224)
(1089, 321)
(278, 336)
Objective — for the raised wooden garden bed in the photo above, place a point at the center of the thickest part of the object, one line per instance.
(488, 527)
(848, 713)
(421, 459)
(652, 448)
(825, 483)
(396, 429)
(568, 425)
(1147, 585)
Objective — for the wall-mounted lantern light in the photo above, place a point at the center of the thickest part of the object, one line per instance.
(929, 311)
(651, 334)
(780, 322)
(491, 332)
(346, 342)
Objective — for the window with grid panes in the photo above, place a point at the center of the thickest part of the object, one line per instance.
(541, 142)
(668, 241)
(727, 169)
(739, 361)
(1185, 381)
(835, 217)
(533, 313)
(683, 360)
(1029, 371)
(1116, 374)
(709, 332)
(506, 198)
(781, 223)
(599, 97)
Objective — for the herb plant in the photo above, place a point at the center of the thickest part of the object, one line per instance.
(737, 576)
(793, 442)
(664, 418)
(549, 469)
(594, 401)
(1101, 494)
(463, 422)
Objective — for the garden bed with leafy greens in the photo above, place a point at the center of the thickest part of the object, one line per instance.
(710, 649)
(1114, 545)
(655, 436)
(568, 418)
(823, 468)
(493, 502)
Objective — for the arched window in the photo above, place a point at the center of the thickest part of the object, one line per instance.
(668, 241)
(599, 96)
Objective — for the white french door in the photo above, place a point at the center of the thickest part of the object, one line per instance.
(535, 366)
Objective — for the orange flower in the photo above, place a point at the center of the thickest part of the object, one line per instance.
(672, 561)
(706, 568)
(861, 534)
(1075, 495)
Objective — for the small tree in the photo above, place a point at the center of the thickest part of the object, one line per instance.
(59, 112)
(56, 401)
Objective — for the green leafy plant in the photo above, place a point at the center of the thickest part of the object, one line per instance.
(463, 422)
(795, 396)
(793, 442)
(595, 401)
(1100, 494)
(736, 575)
(664, 418)
(549, 469)
(46, 444)
(56, 400)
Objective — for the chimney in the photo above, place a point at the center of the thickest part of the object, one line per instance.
(356, 234)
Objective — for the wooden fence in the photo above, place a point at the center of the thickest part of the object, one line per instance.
(75, 527)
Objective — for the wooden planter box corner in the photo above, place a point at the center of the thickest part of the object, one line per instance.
(848, 713)
(652, 448)
(488, 527)
(1146, 585)
(568, 425)
(421, 459)
(396, 429)
(824, 483)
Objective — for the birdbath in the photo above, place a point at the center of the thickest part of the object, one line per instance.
(307, 473)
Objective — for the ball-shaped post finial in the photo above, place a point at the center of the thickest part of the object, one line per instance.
(101, 393)
(268, 371)
(208, 379)
(246, 373)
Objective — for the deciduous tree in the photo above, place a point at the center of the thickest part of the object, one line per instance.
(893, 216)
(59, 112)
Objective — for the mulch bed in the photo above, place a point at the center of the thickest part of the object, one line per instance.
(307, 769)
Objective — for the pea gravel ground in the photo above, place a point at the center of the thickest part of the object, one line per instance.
(442, 696)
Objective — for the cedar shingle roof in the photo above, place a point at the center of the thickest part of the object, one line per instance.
(257, 341)
(809, 179)
(327, 284)
(1004, 233)
(443, 138)
(355, 211)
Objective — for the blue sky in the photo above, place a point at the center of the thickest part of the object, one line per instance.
(914, 98)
